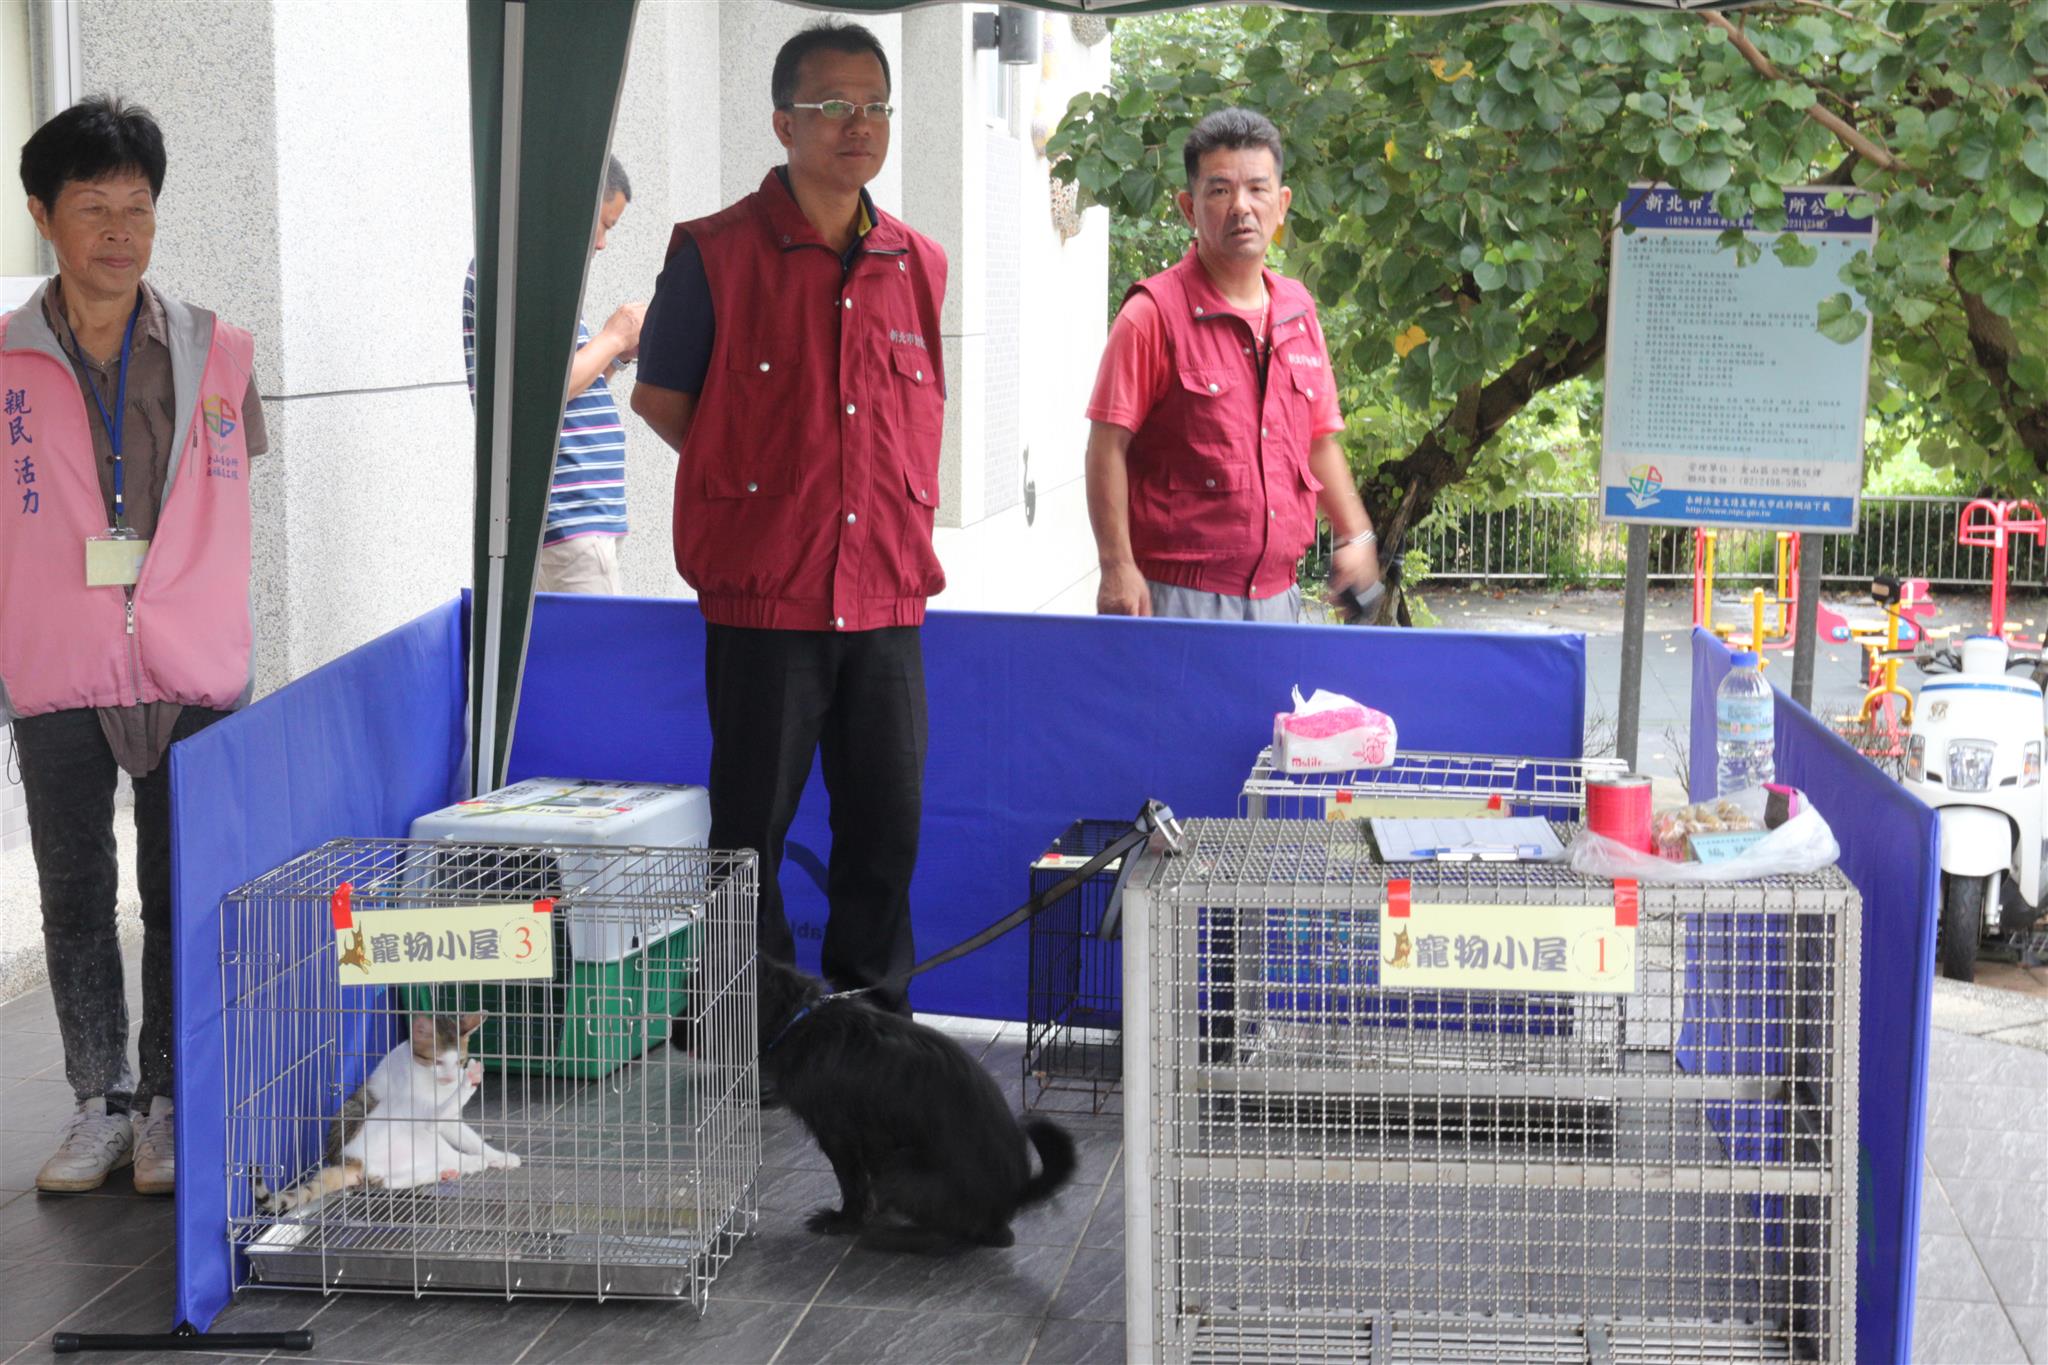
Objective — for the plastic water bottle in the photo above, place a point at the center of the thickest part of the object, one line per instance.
(1743, 740)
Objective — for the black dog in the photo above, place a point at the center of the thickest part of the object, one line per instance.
(927, 1154)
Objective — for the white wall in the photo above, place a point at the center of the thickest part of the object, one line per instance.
(326, 207)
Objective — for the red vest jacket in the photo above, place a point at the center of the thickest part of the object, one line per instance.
(1221, 497)
(807, 488)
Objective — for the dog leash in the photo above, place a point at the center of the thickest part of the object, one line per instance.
(1155, 818)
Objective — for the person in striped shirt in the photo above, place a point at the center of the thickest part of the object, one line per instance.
(579, 549)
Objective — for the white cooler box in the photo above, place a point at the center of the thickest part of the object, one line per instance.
(573, 811)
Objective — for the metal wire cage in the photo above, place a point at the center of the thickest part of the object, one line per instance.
(1323, 1166)
(633, 1162)
(1074, 1008)
(1554, 788)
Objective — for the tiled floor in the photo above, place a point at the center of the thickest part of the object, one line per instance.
(103, 1262)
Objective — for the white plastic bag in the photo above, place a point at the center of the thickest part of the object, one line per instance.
(1803, 843)
(1329, 732)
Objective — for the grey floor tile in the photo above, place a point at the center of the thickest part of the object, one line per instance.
(2031, 1324)
(2000, 1107)
(1093, 1288)
(37, 1295)
(85, 1231)
(1960, 1057)
(1016, 1280)
(38, 1106)
(785, 1143)
(796, 1191)
(2000, 1208)
(31, 1013)
(273, 1310)
(11, 1350)
(779, 1264)
(1080, 1343)
(1060, 1221)
(1948, 1269)
(2018, 1270)
(625, 1333)
(24, 1054)
(1937, 1219)
(1106, 1227)
(144, 1302)
(863, 1335)
(381, 1329)
(2011, 1156)
(1963, 1334)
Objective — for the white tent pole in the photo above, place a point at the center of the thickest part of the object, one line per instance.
(491, 593)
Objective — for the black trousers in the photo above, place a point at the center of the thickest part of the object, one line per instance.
(67, 776)
(856, 700)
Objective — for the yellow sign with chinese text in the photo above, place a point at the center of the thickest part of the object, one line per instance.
(1582, 949)
(445, 943)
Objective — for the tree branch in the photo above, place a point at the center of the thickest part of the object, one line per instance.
(1856, 141)
(1852, 18)
(1995, 347)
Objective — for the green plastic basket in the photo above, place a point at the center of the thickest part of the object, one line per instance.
(589, 1021)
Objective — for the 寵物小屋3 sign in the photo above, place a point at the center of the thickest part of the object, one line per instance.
(443, 943)
(1725, 403)
(1580, 949)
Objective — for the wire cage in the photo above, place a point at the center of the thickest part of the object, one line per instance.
(1554, 788)
(1074, 1008)
(612, 1162)
(1308, 1179)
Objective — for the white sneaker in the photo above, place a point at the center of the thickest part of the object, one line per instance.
(95, 1142)
(156, 1155)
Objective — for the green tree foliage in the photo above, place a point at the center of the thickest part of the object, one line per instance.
(1455, 180)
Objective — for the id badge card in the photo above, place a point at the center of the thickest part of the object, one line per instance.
(114, 561)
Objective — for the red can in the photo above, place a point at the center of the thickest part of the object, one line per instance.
(1619, 808)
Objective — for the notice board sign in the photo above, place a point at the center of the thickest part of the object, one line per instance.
(1725, 404)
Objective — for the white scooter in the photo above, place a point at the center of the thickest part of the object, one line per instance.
(1974, 755)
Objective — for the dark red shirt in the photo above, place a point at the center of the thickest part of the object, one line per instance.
(806, 491)
(1221, 495)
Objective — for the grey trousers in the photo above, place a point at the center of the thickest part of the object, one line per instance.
(1196, 605)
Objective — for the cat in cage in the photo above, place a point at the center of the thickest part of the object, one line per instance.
(403, 1127)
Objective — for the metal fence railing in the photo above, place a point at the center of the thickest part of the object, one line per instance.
(1559, 538)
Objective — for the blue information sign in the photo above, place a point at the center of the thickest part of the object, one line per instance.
(1725, 404)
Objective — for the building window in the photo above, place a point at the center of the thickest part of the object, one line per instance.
(39, 75)
(994, 80)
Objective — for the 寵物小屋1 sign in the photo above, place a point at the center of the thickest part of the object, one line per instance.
(414, 944)
(1579, 949)
(1725, 403)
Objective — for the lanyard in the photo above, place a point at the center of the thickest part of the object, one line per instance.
(113, 420)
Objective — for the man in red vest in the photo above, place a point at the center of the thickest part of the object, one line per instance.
(1215, 412)
(792, 357)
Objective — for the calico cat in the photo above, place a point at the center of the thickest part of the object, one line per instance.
(404, 1126)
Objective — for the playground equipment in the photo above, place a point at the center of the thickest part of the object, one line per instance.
(1773, 616)
(1999, 523)
(1880, 726)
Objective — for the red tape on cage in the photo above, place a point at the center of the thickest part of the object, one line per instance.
(1397, 898)
(338, 906)
(544, 906)
(1628, 901)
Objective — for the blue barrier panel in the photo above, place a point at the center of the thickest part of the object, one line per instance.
(1891, 851)
(1036, 721)
(358, 748)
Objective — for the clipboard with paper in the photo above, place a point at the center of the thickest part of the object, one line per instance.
(1526, 838)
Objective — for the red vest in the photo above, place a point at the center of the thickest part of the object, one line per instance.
(185, 635)
(807, 488)
(1221, 496)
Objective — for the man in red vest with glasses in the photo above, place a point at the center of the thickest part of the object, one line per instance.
(1215, 412)
(792, 357)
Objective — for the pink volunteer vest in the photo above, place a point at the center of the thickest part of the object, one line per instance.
(64, 645)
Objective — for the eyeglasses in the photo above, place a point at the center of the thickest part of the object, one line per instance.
(837, 110)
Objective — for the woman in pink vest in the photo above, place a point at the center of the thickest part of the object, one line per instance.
(124, 598)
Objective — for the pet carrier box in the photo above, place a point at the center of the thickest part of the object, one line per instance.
(617, 975)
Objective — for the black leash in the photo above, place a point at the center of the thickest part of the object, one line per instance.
(1154, 818)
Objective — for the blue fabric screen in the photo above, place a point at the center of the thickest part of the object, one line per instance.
(1891, 851)
(357, 748)
(1036, 721)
